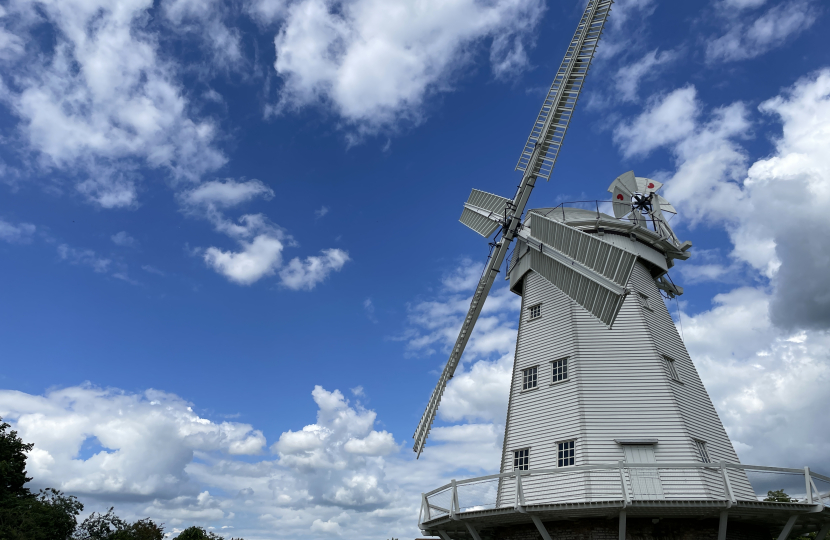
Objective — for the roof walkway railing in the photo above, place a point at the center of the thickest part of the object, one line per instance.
(627, 482)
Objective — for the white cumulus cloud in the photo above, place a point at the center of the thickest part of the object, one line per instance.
(258, 258)
(762, 348)
(101, 102)
(260, 242)
(152, 455)
(374, 62)
(667, 120)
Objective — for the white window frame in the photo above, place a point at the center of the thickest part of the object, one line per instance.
(644, 302)
(671, 369)
(525, 377)
(554, 370)
(566, 446)
(702, 451)
(538, 308)
(517, 457)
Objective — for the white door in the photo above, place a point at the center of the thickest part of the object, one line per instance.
(645, 483)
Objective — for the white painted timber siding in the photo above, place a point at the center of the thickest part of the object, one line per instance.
(699, 415)
(618, 389)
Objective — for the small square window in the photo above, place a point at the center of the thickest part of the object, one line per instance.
(535, 311)
(559, 370)
(521, 459)
(566, 454)
(644, 301)
(702, 453)
(529, 378)
(672, 369)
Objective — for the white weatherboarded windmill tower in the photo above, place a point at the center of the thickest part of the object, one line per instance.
(607, 416)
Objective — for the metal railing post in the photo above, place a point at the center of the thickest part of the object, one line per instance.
(626, 499)
(454, 506)
(809, 484)
(520, 494)
(424, 514)
(727, 487)
(820, 498)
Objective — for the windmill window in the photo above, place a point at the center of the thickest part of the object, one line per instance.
(559, 370)
(529, 378)
(535, 311)
(521, 459)
(644, 301)
(565, 457)
(702, 453)
(672, 369)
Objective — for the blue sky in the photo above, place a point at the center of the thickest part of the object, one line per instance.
(208, 210)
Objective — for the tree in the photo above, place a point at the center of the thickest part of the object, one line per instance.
(12, 464)
(778, 496)
(111, 527)
(49, 515)
(197, 533)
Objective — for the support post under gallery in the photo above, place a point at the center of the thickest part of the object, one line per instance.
(540, 527)
(822, 534)
(622, 525)
(724, 516)
(473, 532)
(785, 533)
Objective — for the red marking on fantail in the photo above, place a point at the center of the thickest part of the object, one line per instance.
(650, 186)
(619, 197)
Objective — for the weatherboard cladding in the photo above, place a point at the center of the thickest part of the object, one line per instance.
(695, 405)
(618, 388)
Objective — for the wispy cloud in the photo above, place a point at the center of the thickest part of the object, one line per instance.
(747, 37)
(629, 77)
(21, 233)
(123, 239)
(84, 257)
(369, 308)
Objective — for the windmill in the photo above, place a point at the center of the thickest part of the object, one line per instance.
(486, 213)
(607, 415)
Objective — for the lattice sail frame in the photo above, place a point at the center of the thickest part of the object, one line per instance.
(537, 160)
(552, 123)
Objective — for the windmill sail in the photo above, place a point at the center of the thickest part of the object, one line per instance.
(589, 271)
(537, 160)
(550, 126)
(482, 212)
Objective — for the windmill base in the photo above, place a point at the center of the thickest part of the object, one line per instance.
(636, 529)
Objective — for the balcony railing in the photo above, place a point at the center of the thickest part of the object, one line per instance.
(627, 483)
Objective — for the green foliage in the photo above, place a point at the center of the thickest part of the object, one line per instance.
(197, 533)
(111, 527)
(12, 464)
(778, 496)
(49, 515)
